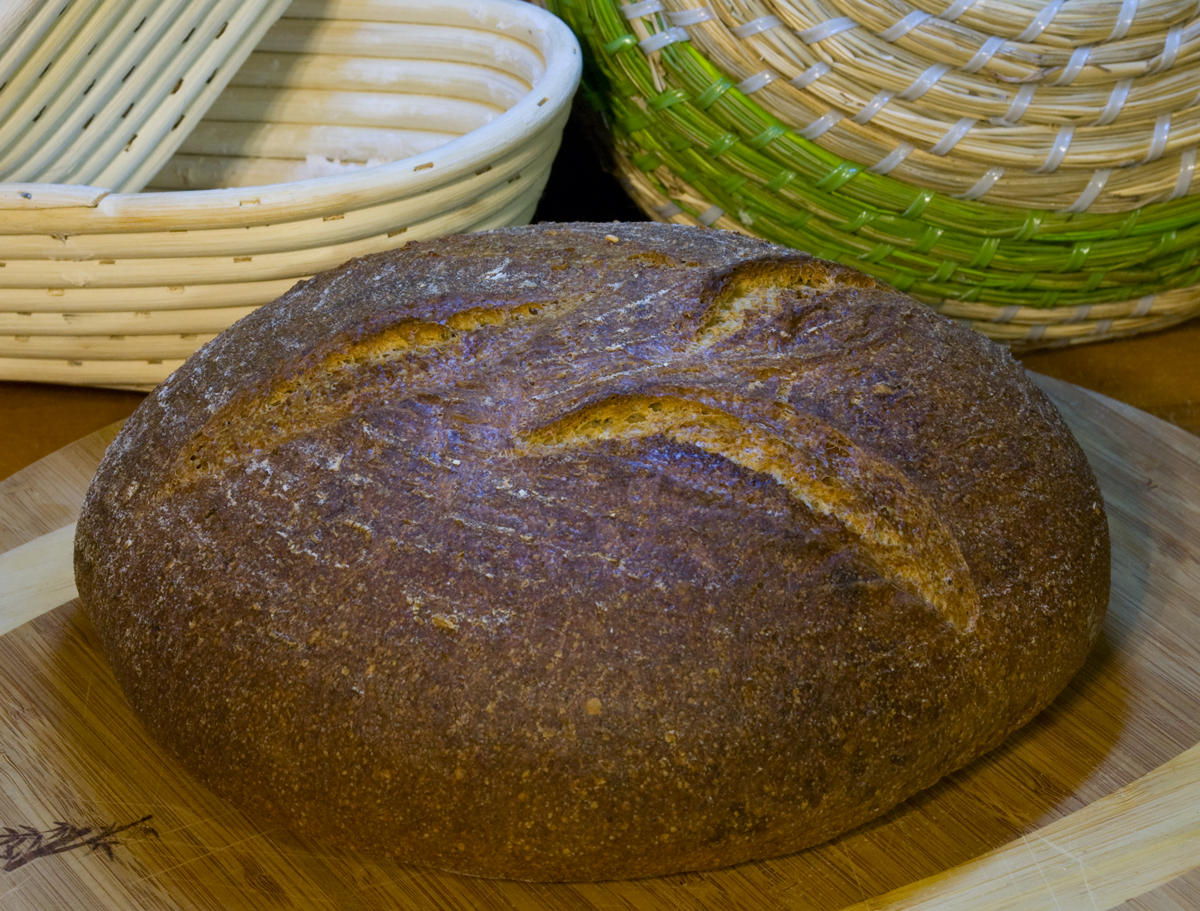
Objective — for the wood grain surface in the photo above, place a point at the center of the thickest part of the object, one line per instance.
(93, 815)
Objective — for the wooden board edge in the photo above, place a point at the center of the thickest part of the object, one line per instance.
(1116, 848)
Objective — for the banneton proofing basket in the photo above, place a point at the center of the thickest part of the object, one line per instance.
(355, 126)
(1021, 165)
(103, 91)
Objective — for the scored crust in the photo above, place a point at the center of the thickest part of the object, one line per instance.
(590, 551)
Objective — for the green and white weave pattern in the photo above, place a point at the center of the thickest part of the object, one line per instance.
(1027, 168)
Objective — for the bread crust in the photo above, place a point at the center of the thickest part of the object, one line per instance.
(577, 552)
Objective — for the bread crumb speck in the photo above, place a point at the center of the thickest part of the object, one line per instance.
(594, 706)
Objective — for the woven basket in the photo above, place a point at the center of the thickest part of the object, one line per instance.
(1026, 167)
(103, 91)
(462, 100)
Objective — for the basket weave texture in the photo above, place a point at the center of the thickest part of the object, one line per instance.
(1024, 166)
(103, 91)
(355, 126)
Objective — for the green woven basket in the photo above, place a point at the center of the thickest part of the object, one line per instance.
(693, 146)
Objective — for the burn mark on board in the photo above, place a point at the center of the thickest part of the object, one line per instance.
(23, 844)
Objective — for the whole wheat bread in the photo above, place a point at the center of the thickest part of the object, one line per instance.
(590, 551)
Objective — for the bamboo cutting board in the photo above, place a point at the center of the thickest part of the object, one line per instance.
(93, 816)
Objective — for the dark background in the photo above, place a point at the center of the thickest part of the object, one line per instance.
(580, 187)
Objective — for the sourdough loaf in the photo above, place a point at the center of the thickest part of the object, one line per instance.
(590, 551)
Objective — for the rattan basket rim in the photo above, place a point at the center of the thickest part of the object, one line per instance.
(1050, 154)
(713, 154)
(968, 215)
(1023, 328)
(843, 191)
(113, 289)
(746, 128)
(91, 209)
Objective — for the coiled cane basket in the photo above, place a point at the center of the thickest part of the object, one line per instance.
(355, 126)
(1024, 166)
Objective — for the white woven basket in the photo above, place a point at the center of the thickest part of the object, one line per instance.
(103, 91)
(464, 101)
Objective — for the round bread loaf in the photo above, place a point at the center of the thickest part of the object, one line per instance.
(589, 551)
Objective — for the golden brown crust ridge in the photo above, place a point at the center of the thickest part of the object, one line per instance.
(819, 467)
(423, 587)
